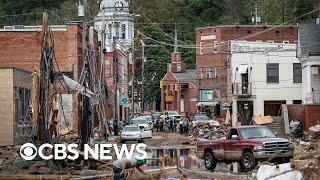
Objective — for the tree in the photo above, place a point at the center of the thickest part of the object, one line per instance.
(302, 7)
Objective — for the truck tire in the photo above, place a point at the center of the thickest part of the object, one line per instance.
(210, 161)
(248, 161)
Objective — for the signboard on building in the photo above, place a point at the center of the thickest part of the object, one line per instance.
(226, 104)
(206, 95)
(209, 37)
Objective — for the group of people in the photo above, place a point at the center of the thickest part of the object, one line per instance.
(113, 127)
(172, 125)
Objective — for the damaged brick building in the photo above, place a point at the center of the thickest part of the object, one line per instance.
(20, 48)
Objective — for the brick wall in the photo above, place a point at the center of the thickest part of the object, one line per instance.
(312, 115)
(296, 112)
(21, 49)
(309, 115)
(218, 58)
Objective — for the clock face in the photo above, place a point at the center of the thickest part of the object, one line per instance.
(118, 6)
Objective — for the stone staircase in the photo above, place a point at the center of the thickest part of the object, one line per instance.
(277, 126)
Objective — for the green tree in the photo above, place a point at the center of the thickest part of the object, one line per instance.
(302, 7)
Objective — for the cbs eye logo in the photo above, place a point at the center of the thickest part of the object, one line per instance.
(28, 151)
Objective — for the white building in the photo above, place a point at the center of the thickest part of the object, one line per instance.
(264, 76)
(309, 55)
(116, 24)
(119, 23)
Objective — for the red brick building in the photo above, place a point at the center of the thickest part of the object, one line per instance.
(212, 58)
(179, 88)
(20, 47)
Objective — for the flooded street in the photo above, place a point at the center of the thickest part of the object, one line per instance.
(184, 158)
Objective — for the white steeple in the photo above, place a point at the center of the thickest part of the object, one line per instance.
(119, 23)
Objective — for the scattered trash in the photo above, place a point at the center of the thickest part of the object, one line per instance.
(307, 163)
(314, 131)
(209, 132)
(296, 129)
(278, 172)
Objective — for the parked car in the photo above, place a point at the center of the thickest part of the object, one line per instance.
(134, 133)
(200, 114)
(156, 115)
(167, 114)
(246, 145)
(204, 119)
(141, 121)
(149, 120)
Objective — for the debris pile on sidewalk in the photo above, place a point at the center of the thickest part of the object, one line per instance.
(209, 132)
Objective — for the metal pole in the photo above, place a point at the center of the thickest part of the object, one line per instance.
(142, 77)
(133, 77)
(256, 13)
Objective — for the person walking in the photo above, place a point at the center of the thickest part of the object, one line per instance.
(181, 126)
(161, 124)
(185, 125)
(171, 125)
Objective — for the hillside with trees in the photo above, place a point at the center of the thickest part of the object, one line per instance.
(159, 19)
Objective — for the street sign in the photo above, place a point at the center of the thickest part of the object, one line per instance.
(124, 101)
(226, 106)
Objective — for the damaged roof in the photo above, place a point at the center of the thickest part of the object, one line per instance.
(308, 39)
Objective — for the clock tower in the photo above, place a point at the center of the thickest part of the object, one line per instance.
(119, 23)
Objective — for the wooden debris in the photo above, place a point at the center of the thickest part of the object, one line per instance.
(263, 120)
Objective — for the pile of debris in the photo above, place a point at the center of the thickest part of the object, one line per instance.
(209, 132)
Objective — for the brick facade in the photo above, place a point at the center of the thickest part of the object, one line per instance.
(21, 48)
(179, 88)
(215, 57)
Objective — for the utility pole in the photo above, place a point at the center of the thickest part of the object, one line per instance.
(256, 18)
(102, 73)
(256, 13)
(282, 10)
(132, 86)
(142, 74)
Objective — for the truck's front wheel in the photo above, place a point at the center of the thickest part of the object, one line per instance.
(248, 161)
(209, 161)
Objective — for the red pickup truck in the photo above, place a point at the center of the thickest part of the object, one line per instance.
(246, 145)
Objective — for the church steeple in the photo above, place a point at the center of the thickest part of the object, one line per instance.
(118, 22)
(175, 39)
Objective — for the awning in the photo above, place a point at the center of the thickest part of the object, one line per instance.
(75, 86)
(243, 69)
(209, 103)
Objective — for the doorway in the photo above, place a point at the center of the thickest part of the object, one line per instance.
(273, 108)
(245, 112)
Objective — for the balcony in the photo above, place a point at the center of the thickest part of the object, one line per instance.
(316, 97)
(241, 89)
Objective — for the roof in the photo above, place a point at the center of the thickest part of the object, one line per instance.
(246, 26)
(309, 39)
(186, 76)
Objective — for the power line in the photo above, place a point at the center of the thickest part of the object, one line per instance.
(226, 43)
(139, 9)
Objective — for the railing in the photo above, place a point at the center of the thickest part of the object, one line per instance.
(241, 89)
(316, 96)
